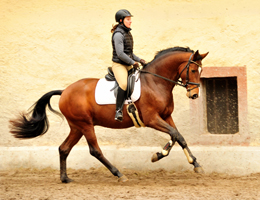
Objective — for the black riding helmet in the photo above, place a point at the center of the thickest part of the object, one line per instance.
(121, 14)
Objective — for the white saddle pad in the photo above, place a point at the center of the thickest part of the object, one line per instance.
(103, 95)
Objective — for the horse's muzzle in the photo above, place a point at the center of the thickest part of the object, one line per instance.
(192, 95)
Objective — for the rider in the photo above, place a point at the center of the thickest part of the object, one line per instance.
(123, 57)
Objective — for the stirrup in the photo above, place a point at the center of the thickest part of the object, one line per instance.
(119, 116)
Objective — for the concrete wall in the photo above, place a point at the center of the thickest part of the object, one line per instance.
(47, 45)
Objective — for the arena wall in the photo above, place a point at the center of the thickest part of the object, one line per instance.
(47, 45)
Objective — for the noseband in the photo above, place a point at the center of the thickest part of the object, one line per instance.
(180, 83)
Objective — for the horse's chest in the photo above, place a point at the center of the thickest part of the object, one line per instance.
(168, 110)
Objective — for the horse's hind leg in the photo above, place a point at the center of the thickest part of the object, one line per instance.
(97, 153)
(64, 151)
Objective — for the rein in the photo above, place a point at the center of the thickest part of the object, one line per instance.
(143, 71)
(180, 83)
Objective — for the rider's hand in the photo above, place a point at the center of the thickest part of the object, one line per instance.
(136, 65)
(143, 62)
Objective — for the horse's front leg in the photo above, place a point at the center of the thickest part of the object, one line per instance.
(165, 152)
(169, 127)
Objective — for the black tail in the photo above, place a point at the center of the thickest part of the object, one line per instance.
(35, 122)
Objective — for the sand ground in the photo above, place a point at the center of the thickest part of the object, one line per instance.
(100, 184)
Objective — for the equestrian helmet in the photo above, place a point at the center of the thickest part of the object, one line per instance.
(121, 14)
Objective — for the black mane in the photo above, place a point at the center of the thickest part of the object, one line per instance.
(162, 52)
(165, 51)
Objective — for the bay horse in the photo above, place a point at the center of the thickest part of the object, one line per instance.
(170, 67)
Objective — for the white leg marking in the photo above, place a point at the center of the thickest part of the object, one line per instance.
(167, 148)
(190, 160)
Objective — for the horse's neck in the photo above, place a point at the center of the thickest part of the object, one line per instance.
(167, 67)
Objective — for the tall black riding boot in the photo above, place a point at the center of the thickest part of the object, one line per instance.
(120, 99)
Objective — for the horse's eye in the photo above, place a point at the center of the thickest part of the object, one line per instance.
(193, 71)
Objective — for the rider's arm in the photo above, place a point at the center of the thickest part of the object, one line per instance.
(119, 46)
(136, 58)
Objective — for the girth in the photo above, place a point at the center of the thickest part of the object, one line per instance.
(130, 81)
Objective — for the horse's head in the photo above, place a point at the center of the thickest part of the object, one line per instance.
(190, 72)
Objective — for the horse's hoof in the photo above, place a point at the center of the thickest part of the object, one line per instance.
(123, 179)
(199, 170)
(66, 180)
(154, 157)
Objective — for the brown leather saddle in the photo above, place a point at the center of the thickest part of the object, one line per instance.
(130, 81)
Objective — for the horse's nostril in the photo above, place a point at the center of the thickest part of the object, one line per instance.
(194, 96)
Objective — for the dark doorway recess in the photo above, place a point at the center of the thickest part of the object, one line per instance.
(222, 105)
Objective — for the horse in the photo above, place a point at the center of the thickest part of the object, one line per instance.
(170, 67)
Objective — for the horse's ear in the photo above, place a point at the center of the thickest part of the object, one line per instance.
(204, 55)
(198, 56)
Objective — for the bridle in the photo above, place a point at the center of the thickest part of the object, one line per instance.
(187, 82)
(179, 82)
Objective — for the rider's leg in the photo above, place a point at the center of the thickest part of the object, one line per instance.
(120, 99)
(121, 73)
